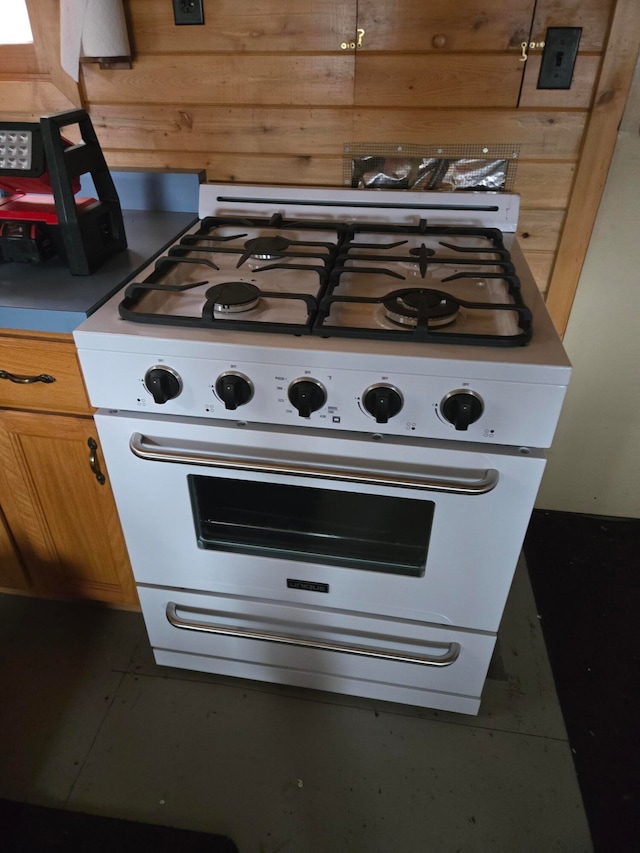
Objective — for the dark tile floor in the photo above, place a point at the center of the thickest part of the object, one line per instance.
(89, 723)
(585, 573)
(28, 828)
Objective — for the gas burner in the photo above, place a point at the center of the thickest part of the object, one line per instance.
(233, 297)
(265, 248)
(418, 251)
(422, 255)
(406, 307)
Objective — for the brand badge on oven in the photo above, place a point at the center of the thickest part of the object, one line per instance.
(310, 586)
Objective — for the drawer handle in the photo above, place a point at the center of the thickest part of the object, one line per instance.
(93, 461)
(27, 380)
(451, 650)
(142, 447)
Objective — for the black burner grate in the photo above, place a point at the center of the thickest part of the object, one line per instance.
(358, 250)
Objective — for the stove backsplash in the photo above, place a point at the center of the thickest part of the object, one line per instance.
(444, 168)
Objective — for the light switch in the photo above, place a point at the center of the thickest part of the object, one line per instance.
(559, 57)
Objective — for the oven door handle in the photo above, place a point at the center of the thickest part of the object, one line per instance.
(451, 651)
(143, 449)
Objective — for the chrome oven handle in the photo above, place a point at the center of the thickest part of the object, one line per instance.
(451, 650)
(141, 448)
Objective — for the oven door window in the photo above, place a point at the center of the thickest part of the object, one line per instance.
(365, 531)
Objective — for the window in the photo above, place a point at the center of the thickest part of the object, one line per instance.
(32, 82)
(16, 28)
(17, 50)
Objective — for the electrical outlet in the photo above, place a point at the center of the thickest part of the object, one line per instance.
(188, 12)
(559, 57)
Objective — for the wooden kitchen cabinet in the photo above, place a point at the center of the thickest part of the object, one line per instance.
(11, 573)
(441, 26)
(55, 497)
(441, 54)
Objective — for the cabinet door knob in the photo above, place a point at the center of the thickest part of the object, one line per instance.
(26, 380)
(93, 461)
(439, 41)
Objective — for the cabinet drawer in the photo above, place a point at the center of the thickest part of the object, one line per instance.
(35, 360)
(319, 648)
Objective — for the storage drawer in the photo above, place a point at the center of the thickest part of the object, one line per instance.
(319, 648)
(31, 361)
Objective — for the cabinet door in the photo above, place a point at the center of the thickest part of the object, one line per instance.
(63, 520)
(11, 574)
(441, 54)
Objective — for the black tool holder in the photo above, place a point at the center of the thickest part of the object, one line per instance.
(93, 233)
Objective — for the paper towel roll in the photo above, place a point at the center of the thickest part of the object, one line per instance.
(91, 28)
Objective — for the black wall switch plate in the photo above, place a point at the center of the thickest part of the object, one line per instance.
(188, 12)
(559, 57)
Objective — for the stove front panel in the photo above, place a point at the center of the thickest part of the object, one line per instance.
(189, 495)
(513, 412)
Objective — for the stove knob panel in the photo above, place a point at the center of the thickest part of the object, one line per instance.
(162, 383)
(383, 402)
(234, 390)
(307, 396)
(462, 408)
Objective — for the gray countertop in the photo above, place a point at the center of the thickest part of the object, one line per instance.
(47, 298)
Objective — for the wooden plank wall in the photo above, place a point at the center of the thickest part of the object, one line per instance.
(264, 92)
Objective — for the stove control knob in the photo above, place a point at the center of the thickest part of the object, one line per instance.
(162, 383)
(462, 408)
(307, 395)
(234, 390)
(383, 402)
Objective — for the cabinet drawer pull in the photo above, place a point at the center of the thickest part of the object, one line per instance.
(27, 380)
(451, 651)
(93, 461)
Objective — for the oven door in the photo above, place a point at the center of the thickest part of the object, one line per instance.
(404, 528)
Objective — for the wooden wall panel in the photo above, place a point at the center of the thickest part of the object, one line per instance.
(424, 81)
(547, 135)
(239, 168)
(30, 98)
(593, 16)
(44, 15)
(225, 79)
(548, 187)
(610, 97)
(539, 230)
(251, 130)
(579, 96)
(18, 59)
(285, 26)
(474, 25)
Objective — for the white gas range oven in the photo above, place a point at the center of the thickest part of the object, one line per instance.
(324, 415)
